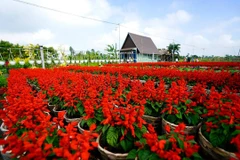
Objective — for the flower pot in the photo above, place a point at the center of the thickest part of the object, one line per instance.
(154, 121)
(21, 62)
(56, 61)
(31, 61)
(56, 111)
(39, 61)
(7, 155)
(2, 62)
(107, 155)
(3, 128)
(69, 120)
(189, 130)
(81, 130)
(12, 62)
(215, 152)
(49, 61)
(50, 106)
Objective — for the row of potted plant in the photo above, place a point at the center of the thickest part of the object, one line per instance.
(31, 133)
(176, 104)
(209, 77)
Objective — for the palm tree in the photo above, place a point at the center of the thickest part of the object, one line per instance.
(111, 49)
(174, 48)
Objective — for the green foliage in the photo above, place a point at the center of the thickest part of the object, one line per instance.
(189, 118)
(112, 50)
(221, 136)
(153, 108)
(3, 81)
(112, 136)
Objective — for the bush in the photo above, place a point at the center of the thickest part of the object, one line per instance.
(3, 81)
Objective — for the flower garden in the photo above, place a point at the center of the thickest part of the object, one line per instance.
(145, 111)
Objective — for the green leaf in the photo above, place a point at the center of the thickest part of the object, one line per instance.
(138, 133)
(236, 132)
(99, 128)
(153, 156)
(171, 118)
(197, 156)
(147, 110)
(211, 119)
(132, 154)
(180, 143)
(80, 108)
(112, 136)
(144, 129)
(105, 127)
(142, 140)
(91, 121)
(122, 130)
(143, 154)
(195, 119)
(189, 120)
(179, 115)
(83, 122)
(126, 144)
(185, 158)
(216, 139)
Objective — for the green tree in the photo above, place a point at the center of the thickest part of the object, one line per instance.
(72, 53)
(174, 49)
(112, 50)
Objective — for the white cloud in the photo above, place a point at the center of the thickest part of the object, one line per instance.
(21, 23)
(94, 9)
(179, 17)
(27, 37)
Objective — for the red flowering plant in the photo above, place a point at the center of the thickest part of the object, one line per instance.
(155, 98)
(174, 145)
(222, 120)
(67, 143)
(123, 125)
(179, 106)
(49, 141)
(92, 109)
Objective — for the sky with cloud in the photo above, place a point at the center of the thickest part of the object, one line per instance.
(202, 27)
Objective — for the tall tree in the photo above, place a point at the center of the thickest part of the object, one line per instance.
(111, 49)
(72, 53)
(174, 48)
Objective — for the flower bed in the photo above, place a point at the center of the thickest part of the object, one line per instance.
(113, 105)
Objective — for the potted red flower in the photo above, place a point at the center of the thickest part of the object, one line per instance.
(174, 145)
(181, 109)
(122, 127)
(220, 134)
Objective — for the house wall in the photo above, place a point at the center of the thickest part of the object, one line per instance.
(147, 58)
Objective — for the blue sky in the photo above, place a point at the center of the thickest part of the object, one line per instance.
(202, 27)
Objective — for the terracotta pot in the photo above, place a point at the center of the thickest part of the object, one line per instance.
(56, 111)
(189, 130)
(107, 155)
(215, 152)
(69, 120)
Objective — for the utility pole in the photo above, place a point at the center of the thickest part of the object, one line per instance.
(42, 57)
(119, 43)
